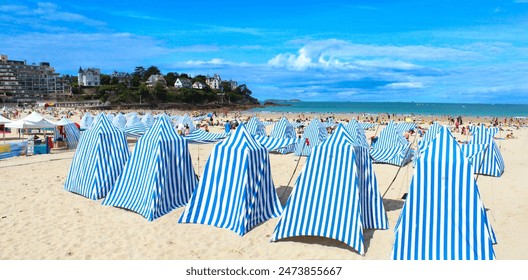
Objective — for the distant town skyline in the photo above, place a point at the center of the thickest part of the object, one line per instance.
(401, 50)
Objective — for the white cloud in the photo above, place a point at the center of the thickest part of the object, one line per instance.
(339, 54)
(405, 85)
(44, 13)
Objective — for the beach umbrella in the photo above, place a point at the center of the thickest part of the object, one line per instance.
(158, 177)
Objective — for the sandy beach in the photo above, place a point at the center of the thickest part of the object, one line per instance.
(39, 220)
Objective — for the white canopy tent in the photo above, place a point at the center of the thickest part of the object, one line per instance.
(4, 120)
(33, 120)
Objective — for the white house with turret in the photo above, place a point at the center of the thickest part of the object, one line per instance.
(214, 82)
(90, 77)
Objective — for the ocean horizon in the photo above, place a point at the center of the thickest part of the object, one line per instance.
(398, 108)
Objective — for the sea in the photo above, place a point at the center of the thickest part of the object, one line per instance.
(399, 108)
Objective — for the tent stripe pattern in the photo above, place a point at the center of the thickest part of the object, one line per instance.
(119, 121)
(201, 136)
(158, 177)
(428, 137)
(357, 133)
(255, 127)
(132, 120)
(86, 121)
(391, 147)
(136, 130)
(272, 144)
(325, 200)
(443, 217)
(492, 163)
(236, 190)
(186, 120)
(99, 159)
(71, 131)
(367, 125)
(316, 133)
(284, 129)
(147, 119)
(405, 126)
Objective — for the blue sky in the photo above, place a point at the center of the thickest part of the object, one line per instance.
(422, 51)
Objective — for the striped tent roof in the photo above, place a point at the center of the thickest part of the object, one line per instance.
(186, 120)
(481, 133)
(391, 147)
(256, 127)
(316, 133)
(284, 129)
(99, 159)
(236, 190)
(136, 130)
(443, 217)
(201, 136)
(405, 126)
(273, 144)
(71, 131)
(86, 121)
(357, 133)
(367, 125)
(491, 163)
(119, 121)
(487, 158)
(110, 117)
(428, 137)
(132, 120)
(329, 194)
(147, 119)
(159, 175)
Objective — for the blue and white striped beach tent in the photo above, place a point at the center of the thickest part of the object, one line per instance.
(119, 121)
(490, 162)
(357, 133)
(334, 196)
(405, 126)
(200, 136)
(147, 119)
(366, 126)
(274, 144)
(110, 117)
(71, 132)
(316, 133)
(99, 159)
(132, 120)
(158, 177)
(255, 127)
(443, 217)
(391, 147)
(136, 130)
(428, 136)
(236, 190)
(284, 129)
(86, 121)
(186, 120)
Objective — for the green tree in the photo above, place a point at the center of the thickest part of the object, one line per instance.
(171, 78)
(105, 79)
